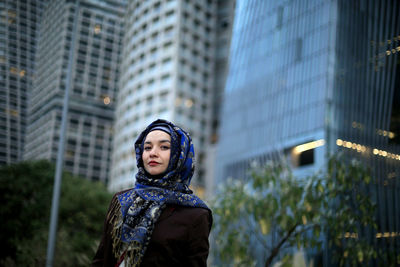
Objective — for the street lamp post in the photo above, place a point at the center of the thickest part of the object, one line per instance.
(60, 155)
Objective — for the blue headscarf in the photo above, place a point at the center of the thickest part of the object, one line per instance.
(142, 206)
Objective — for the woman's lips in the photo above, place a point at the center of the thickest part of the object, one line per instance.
(153, 163)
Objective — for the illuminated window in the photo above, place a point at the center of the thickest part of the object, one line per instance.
(303, 154)
(97, 29)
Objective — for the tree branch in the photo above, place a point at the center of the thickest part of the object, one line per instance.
(276, 249)
(256, 234)
(305, 229)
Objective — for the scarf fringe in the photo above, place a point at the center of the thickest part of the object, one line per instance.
(115, 218)
(132, 256)
(129, 252)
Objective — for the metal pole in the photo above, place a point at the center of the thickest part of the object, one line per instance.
(60, 155)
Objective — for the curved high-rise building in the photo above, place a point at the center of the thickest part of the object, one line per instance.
(168, 71)
(309, 78)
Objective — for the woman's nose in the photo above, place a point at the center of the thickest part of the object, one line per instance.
(153, 152)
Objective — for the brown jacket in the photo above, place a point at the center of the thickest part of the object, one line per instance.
(180, 238)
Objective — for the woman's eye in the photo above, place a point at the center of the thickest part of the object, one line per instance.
(147, 148)
(165, 147)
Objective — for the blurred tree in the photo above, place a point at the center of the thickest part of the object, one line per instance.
(273, 212)
(26, 193)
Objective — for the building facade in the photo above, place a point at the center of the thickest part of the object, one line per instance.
(19, 28)
(310, 78)
(87, 35)
(168, 71)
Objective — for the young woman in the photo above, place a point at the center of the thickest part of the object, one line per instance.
(159, 222)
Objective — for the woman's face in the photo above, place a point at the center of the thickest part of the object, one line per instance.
(156, 152)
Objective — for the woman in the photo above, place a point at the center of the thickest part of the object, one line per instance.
(159, 222)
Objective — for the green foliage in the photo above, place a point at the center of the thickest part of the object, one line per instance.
(350, 213)
(26, 193)
(276, 211)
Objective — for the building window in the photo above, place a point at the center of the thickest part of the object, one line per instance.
(279, 18)
(303, 158)
(298, 49)
(395, 114)
(166, 60)
(169, 31)
(306, 157)
(154, 37)
(303, 154)
(169, 14)
(167, 45)
(166, 78)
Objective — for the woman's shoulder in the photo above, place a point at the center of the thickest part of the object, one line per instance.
(192, 215)
(194, 211)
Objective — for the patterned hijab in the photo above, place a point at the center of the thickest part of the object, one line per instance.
(142, 205)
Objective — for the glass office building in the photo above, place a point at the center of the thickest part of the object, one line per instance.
(324, 74)
(19, 28)
(93, 31)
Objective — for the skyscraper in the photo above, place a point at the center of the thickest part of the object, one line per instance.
(93, 29)
(309, 78)
(168, 71)
(19, 27)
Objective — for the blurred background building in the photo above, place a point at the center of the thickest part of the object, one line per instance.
(19, 27)
(173, 67)
(310, 78)
(306, 79)
(93, 30)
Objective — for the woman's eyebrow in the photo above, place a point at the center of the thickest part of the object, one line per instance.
(161, 141)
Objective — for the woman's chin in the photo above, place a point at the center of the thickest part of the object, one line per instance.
(154, 171)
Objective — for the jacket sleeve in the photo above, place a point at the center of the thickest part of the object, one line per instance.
(104, 255)
(198, 246)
